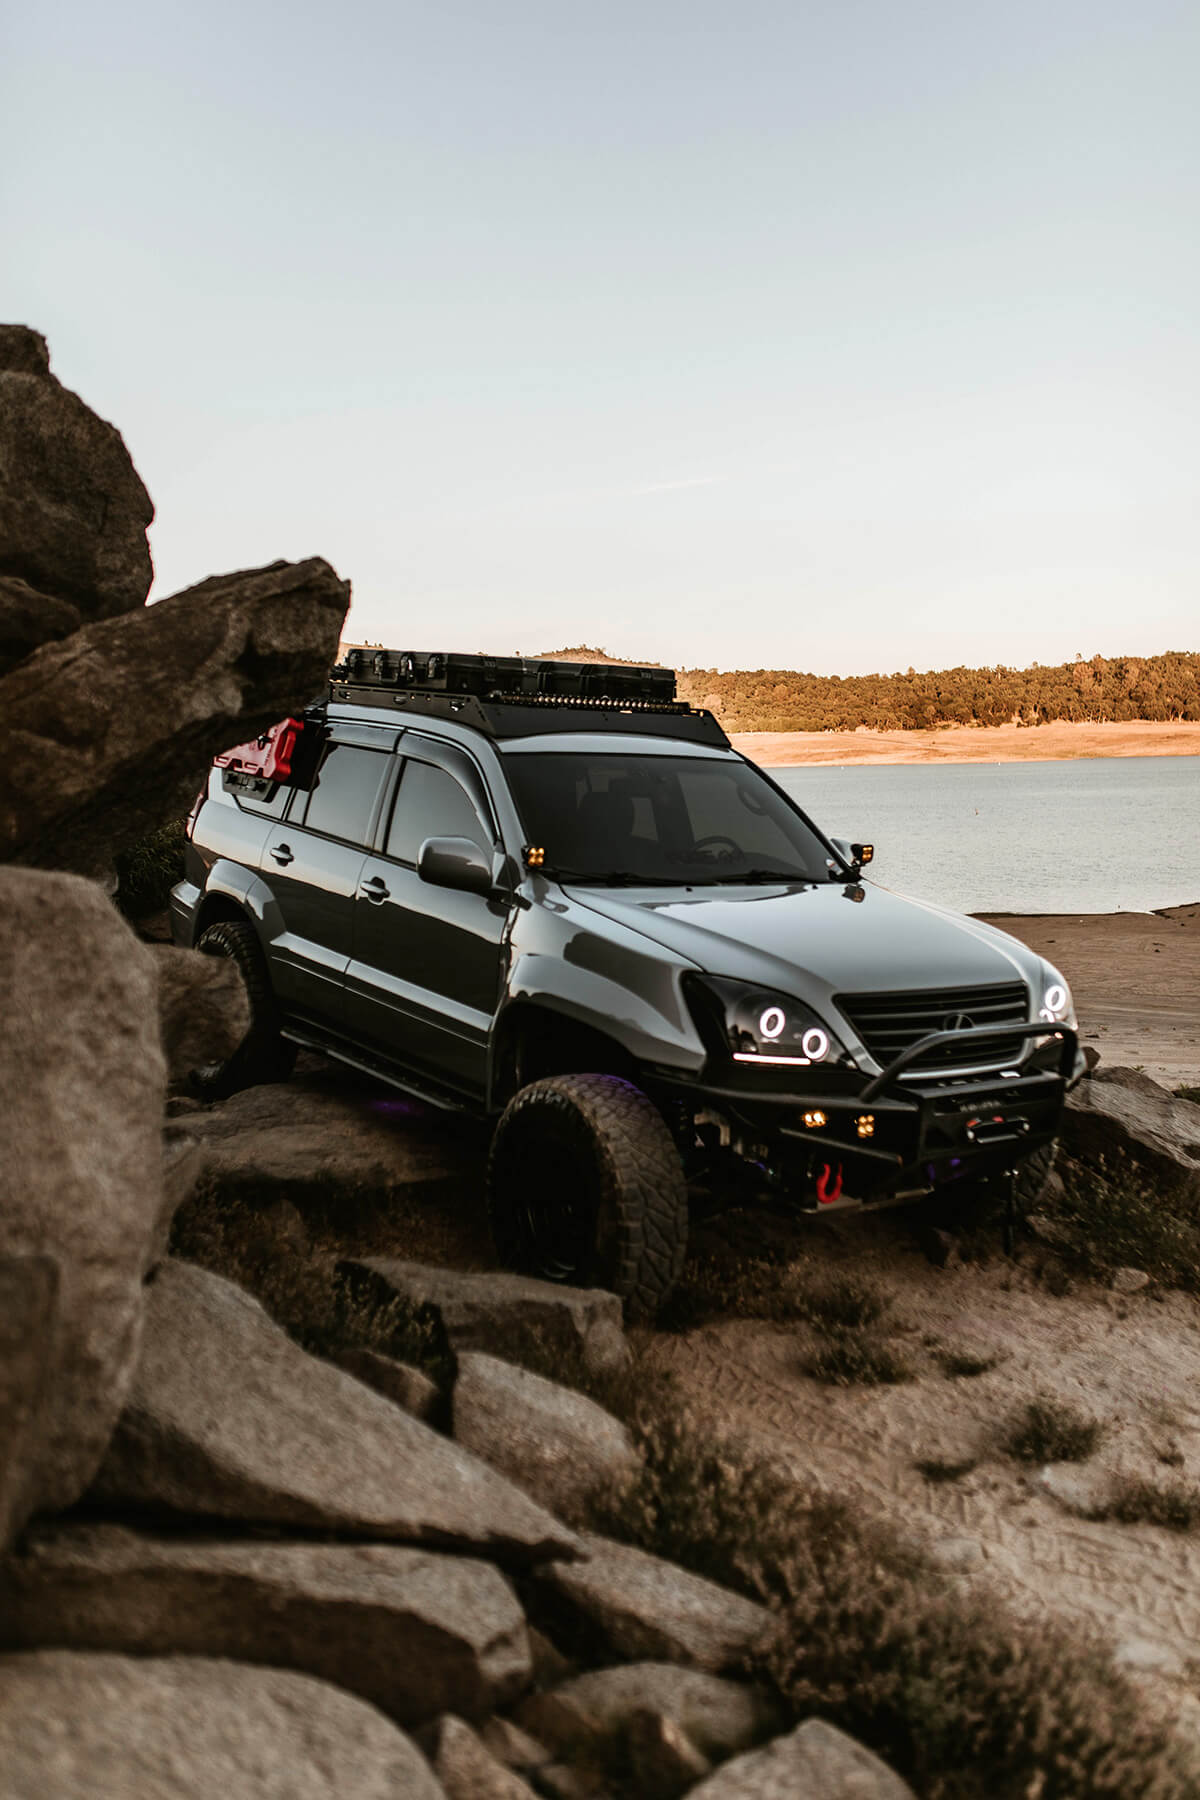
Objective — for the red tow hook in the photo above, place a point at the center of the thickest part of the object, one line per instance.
(829, 1185)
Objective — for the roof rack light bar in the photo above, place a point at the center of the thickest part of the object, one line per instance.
(506, 678)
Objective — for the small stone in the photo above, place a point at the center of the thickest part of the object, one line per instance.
(664, 1759)
(466, 1767)
(1144, 1656)
(513, 1746)
(815, 1762)
(638, 1606)
(555, 1443)
(396, 1381)
(1129, 1281)
(721, 1717)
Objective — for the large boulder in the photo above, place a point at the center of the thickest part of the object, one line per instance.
(109, 733)
(83, 1079)
(414, 1632)
(78, 1727)
(319, 1141)
(814, 1762)
(73, 510)
(513, 1316)
(624, 1602)
(28, 619)
(1121, 1113)
(203, 1007)
(555, 1443)
(228, 1418)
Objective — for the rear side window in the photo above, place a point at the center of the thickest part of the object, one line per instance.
(430, 802)
(343, 795)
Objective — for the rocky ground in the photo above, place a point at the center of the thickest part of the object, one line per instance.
(301, 1497)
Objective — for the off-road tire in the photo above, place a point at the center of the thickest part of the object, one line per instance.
(262, 1054)
(585, 1186)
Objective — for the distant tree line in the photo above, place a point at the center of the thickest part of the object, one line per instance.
(1085, 691)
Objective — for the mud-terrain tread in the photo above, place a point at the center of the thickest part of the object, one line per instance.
(262, 1055)
(641, 1172)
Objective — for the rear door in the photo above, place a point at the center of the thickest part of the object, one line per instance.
(311, 863)
(425, 978)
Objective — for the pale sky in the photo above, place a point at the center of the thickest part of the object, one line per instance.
(838, 336)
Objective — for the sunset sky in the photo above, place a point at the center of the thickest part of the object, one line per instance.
(839, 337)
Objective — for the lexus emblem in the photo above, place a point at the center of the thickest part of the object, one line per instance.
(958, 1022)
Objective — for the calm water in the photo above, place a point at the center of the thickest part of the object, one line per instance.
(1114, 834)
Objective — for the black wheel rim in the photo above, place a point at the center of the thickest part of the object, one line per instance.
(550, 1193)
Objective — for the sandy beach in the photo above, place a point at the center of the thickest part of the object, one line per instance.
(966, 744)
(1136, 982)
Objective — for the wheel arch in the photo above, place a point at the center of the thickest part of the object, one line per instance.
(538, 1038)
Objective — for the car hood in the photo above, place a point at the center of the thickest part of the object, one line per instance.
(817, 941)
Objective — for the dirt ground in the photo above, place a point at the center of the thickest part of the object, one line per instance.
(1132, 1363)
(965, 743)
(1136, 982)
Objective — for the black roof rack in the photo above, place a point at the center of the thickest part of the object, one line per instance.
(517, 696)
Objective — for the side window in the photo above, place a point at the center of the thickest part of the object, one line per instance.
(270, 797)
(431, 803)
(343, 794)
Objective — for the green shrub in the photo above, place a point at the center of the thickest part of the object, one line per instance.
(844, 1301)
(1188, 1093)
(149, 869)
(1046, 1431)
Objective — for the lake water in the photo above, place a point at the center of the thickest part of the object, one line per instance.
(1110, 834)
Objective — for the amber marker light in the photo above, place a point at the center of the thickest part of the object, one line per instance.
(865, 1125)
(535, 856)
(814, 1120)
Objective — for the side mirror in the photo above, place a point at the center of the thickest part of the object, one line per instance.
(455, 862)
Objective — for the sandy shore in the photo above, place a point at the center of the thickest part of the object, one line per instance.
(1136, 982)
(966, 744)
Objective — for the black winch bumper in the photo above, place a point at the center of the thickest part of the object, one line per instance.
(908, 1128)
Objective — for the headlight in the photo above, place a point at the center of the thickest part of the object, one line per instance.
(759, 1025)
(1057, 1006)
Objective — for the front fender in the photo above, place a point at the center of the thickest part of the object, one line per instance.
(635, 1000)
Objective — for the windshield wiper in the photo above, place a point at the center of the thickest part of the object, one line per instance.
(607, 877)
(768, 877)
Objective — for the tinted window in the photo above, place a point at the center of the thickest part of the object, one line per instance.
(431, 803)
(344, 793)
(270, 797)
(662, 819)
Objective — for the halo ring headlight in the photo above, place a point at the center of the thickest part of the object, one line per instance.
(772, 1022)
(1055, 998)
(815, 1044)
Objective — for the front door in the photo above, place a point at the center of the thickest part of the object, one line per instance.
(425, 978)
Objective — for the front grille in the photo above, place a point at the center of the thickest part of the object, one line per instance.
(890, 1023)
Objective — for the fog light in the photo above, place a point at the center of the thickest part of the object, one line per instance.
(865, 1125)
(814, 1120)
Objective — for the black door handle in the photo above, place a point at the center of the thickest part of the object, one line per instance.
(375, 889)
(282, 854)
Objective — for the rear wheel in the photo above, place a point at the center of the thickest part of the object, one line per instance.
(263, 1055)
(585, 1186)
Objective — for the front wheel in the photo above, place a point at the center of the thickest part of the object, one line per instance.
(585, 1186)
(262, 1054)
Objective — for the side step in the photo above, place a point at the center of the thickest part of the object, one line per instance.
(369, 1065)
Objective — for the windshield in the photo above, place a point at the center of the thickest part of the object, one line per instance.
(662, 820)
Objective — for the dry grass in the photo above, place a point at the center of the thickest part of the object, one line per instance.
(857, 1359)
(963, 1700)
(1134, 1500)
(964, 1365)
(1116, 1216)
(1047, 1431)
(149, 869)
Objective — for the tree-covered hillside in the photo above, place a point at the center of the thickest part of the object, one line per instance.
(1104, 688)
